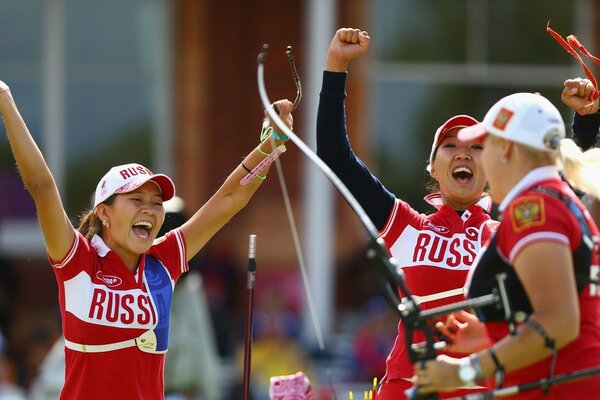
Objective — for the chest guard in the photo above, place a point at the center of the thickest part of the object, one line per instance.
(492, 262)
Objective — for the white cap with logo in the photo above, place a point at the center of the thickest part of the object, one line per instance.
(128, 177)
(524, 118)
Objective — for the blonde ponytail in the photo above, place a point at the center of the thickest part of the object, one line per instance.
(581, 169)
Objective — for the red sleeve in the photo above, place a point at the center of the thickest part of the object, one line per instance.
(80, 256)
(400, 215)
(172, 252)
(533, 218)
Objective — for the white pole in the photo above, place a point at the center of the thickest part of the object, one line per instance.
(53, 89)
(318, 201)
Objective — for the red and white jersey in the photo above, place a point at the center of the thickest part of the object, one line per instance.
(536, 210)
(435, 251)
(102, 302)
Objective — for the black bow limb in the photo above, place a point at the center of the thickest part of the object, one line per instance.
(392, 278)
(415, 319)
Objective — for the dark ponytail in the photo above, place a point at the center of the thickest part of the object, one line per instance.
(90, 224)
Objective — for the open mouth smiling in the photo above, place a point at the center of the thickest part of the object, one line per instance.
(142, 229)
(462, 174)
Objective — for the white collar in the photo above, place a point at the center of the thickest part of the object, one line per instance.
(435, 199)
(536, 175)
(101, 248)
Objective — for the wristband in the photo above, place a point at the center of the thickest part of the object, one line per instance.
(279, 136)
(250, 173)
(266, 130)
(262, 165)
(262, 152)
(246, 168)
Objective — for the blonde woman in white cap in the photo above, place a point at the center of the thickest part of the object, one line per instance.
(115, 278)
(434, 249)
(547, 244)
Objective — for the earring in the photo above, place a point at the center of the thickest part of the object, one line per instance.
(503, 161)
(105, 222)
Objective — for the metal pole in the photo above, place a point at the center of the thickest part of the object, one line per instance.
(250, 287)
(318, 198)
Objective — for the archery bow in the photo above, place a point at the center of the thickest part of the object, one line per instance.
(391, 274)
(377, 247)
(393, 277)
(290, 213)
(377, 251)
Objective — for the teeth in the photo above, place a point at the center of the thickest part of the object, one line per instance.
(462, 169)
(144, 224)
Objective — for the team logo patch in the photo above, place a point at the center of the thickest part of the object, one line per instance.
(435, 228)
(111, 281)
(527, 212)
(502, 119)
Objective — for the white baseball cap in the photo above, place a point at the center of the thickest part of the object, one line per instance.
(525, 118)
(458, 121)
(128, 177)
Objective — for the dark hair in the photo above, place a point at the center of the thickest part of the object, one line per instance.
(90, 224)
(431, 184)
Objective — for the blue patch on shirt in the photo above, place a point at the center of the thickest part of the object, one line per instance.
(159, 285)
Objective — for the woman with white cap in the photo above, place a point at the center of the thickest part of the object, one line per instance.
(115, 278)
(435, 250)
(547, 244)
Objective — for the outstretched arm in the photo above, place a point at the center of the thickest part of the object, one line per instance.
(231, 196)
(333, 145)
(56, 227)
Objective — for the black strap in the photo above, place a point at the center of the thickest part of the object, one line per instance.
(549, 343)
(588, 238)
(246, 168)
(499, 373)
(579, 215)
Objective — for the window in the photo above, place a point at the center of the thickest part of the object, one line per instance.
(91, 80)
(434, 59)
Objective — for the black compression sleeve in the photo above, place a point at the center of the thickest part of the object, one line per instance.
(334, 148)
(585, 129)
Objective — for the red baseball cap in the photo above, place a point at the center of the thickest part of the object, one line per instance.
(458, 121)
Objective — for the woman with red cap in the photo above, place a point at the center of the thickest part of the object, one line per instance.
(547, 246)
(115, 278)
(435, 250)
